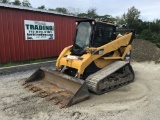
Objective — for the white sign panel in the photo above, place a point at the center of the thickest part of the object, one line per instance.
(39, 30)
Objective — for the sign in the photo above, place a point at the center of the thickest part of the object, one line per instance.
(39, 30)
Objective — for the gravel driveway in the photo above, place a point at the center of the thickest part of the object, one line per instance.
(139, 100)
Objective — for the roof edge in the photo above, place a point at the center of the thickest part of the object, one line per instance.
(35, 10)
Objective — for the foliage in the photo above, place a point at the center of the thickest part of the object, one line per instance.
(62, 10)
(106, 17)
(151, 31)
(42, 7)
(26, 3)
(4, 1)
(91, 13)
(73, 11)
(16, 2)
(157, 41)
(130, 19)
(147, 34)
(82, 15)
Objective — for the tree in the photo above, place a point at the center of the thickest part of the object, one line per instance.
(4, 1)
(26, 3)
(91, 13)
(42, 7)
(62, 10)
(131, 18)
(50, 9)
(155, 26)
(16, 2)
(73, 11)
(120, 22)
(106, 17)
(147, 34)
(83, 15)
(69, 11)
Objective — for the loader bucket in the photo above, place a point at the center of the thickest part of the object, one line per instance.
(57, 87)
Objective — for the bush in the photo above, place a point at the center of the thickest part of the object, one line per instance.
(158, 45)
(151, 36)
(157, 41)
(146, 34)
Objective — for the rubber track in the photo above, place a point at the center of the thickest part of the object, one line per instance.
(95, 79)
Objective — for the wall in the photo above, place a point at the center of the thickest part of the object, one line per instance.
(14, 47)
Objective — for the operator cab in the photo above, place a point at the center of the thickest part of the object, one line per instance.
(91, 33)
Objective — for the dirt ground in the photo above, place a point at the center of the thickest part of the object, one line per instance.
(145, 51)
(139, 100)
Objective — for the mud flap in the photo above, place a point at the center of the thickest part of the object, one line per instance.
(60, 88)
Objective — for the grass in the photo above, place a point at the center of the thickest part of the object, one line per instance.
(9, 64)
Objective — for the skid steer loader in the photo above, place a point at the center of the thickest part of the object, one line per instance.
(98, 61)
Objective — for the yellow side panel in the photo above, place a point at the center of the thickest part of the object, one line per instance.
(80, 65)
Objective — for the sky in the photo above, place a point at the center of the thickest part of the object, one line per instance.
(149, 8)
